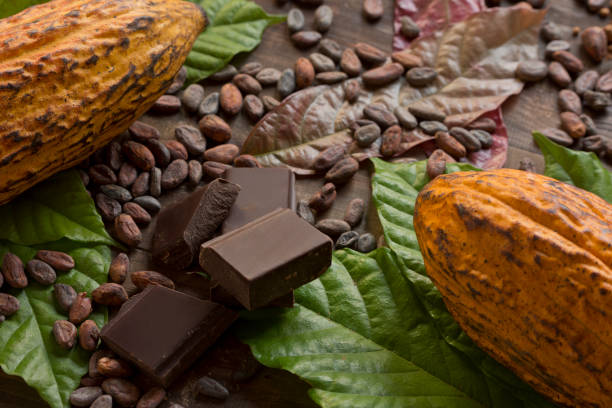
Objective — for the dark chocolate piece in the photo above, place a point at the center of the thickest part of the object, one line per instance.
(182, 227)
(267, 258)
(262, 190)
(163, 331)
(222, 296)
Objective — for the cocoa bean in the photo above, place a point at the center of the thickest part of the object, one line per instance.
(214, 169)
(304, 73)
(559, 75)
(427, 113)
(450, 145)
(352, 89)
(295, 20)
(85, 396)
(59, 261)
(103, 401)
(127, 175)
(269, 102)
(342, 171)
(466, 138)
(114, 367)
(366, 243)
(80, 309)
(331, 77)
(109, 294)
(14, 272)
(373, 9)
(551, 31)
(9, 304)
(65, 334)
(226, 74)
(436, 163)
(115, 157)
(408, 28)
(383, 75)
(366, 135)
(119, 268)
(405, 118)
(268, 76)
(152, 398)
(166, 105)
(571, 123)
(93, 362)
(303, 210)
(123, 392)
(347, 240)
(556, 45)
(391, 141)
(192, 97)
(138, 214)
(247, 84)
(486, 124)
(558, 136)
(569, 101)
(215, 128)
(531, 71)
(101, 174)
(174, 175)
(211, 388)
(87, 381)
(595, 143)
(160, 152)
(230, 99)
(141, 185)
(350, 62)
(321, 63)
(116, 192)
(191, 138)
(331, 49)
(139, 155)
(306, 39)
(177, 150)
(225, 153)
(598, 101)
(591, 129)
(89, 334)
(333, 227)
(142, 279)
(127, 231)
(571, 63)
(251, 68)
(246, 160)
(526, 164)
(484, 137)
(210, 105)
(253, 108)
(65, 295)
(595, 43)
(354, 212)
(328, 157)
(407, 59)
(381, 115)
(323, 18)
(41, 272)
(431, 127)
(323, 199)
(286, 83)
(142, 132)
(604, 83)
(178, 81)
(421, 76)
(586, 82)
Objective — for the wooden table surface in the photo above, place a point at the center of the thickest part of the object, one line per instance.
(535, 108)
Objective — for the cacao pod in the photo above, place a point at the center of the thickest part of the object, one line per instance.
(76, 73)
(524, 264)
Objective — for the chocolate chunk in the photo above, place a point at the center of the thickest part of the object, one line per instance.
(182, 328)
(267, 258)
(181, 228)
(222, 296)
(261, 192)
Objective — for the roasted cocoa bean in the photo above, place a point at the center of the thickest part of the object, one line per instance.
(65, 334)
(14, 272)
(80, 309)
(269, 102)
(328, 157)
(141, 185)
(89, 334)
(586, 81)
(352, 89)
(192, 97)
(306, 39)
(150, 204)
(114, 367)
(123, 392)
(253, 108)
(591, 129)
(383, 75)
(152, 398)
(214, 169)
(431, 127)
(421, 76)
(595, 43)
(604, 83)
(268, 76)
(347, 240)
(127, 231)
(372, 9)
(9, 304)
(178, 82)
(436, 163)
(119, 268)
(531, 70)
(350, 62)
(559, 75)
(174, 175)
(407, 59)
(333, 227)
(115, 157)
(139, 155)
(526, 164)
(210, 105)
(323, 199)
(466, 138)
(226, 74)
(225, 153)
(251, 68)
(569, 101)
(93, 362)
(366, 135)
(342, 171)
(247, 84)
(142, 132)
(103, 401)
(405, 118)
(65, 295)
(211, 388)
(556, 45)
(101, 174)
(295, 20)
(116, 192)
(331, 77)
(191, 138)
(142, 279)
(571, 63)
(366, 243)
(59, 261)
(391, 141)
(215, 128)
(354, 212)
(595, 143)
(381, 115)
(323, 18)
(322, 63)
(408, 28)
(427, 113)
(87, 381)
(246, 160)
(230, 99)
(286, 83)
(331, 49)
(303, 210)
(486, 124)
(597, 101)
(177, 150)
(304, 73)
(558, 136)
(572, 124)
(109, 294)
(41, 272)
(127, 175)
(85, 396)
(160, 152)
(551, 31)
(450, 145)
(138, 214)
(166, 105)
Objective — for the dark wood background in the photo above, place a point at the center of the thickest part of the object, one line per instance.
(535, 108)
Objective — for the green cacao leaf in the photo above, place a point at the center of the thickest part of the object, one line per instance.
(58, 215)
(580, 169)
(234, 26)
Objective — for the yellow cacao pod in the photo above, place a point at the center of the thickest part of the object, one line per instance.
(76, 73)
(524, 264)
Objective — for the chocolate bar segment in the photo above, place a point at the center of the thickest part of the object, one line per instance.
(262, 190)
(182, 227)
(267, 258)
(219, 295)
(163, 331)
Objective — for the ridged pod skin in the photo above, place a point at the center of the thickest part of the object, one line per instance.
(76, 73)
(524, 264)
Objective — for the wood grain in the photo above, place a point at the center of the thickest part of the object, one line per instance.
(535, 108)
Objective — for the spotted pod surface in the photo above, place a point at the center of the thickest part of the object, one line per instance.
(76, 73)
(524, 264)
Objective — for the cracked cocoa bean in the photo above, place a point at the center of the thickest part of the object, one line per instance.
(323, 199)
(41, 272)
(303, 210)
(114, 367)
(109, 294)
(436, 163)
(9, 304)
(65, 334)
(65, 295)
